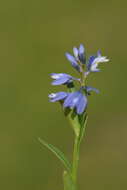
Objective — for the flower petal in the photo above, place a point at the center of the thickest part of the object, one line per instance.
(58, 96)
(71, 58)
(60, 81)
(99, 53)
(81, 49)
(73, 61)
(71, 100)
(89, 89)
(81, 105)
(58, 75)
(100, 59)
(75, 51)
(94, 68)
(81, 54)
(91, 59)
(76, 100)
(61, 78)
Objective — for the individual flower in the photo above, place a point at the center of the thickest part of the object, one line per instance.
(78, 57)
(76, 100)
(54, 97)
(62, 78)
(79, 53)
(73, 61)
(94, 61)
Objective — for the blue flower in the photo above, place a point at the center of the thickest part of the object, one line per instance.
(81, 54)
(62, 78)
(78, 57)
(94, 61)
(54, 97)
(73, 61)
(76, 100)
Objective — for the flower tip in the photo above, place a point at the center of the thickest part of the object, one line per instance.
(52, 75)
(66, 54)
(99, 53)
(75, 51)
(70, 58)
(81, 49)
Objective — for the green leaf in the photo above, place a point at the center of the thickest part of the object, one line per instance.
(68, 183)
(58, 154)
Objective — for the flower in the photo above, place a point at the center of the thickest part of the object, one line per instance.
(79, 53)
(54, 97)
(73, 61)
(94, 61)
(78, 57)
(76, 100)
(62, 78)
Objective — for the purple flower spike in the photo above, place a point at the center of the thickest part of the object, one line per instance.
(54, 97)
(76, 100)
(61, 78)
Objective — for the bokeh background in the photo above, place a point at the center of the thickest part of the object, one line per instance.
(34, 36)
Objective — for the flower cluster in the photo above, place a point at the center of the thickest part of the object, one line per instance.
(77, 99)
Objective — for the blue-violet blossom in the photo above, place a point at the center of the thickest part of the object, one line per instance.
(76, 100)
(78, 57)
(94, 61)
(62, 78)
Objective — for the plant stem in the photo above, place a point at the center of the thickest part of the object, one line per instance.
(75, 162)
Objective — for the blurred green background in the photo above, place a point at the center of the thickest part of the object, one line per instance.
(34, 36)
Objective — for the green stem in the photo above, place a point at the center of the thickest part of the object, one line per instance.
(75, 162)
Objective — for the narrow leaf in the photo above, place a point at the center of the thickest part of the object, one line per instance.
(58, 154)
